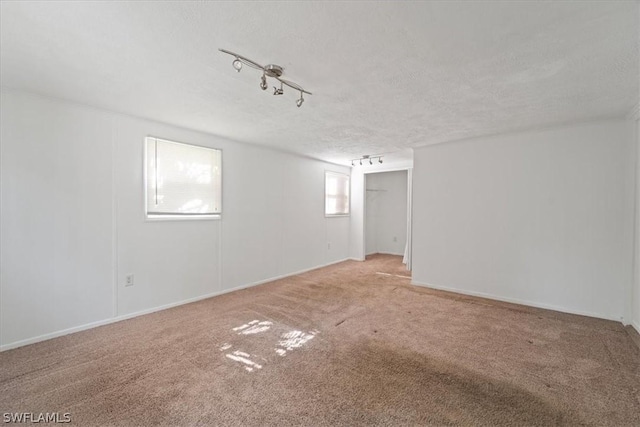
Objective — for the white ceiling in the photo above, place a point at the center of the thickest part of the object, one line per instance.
(385, 77)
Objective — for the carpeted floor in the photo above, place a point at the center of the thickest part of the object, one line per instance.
(342, 345)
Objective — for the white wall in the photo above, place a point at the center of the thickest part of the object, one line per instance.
(56, 216)
(356, 219)
(386, 212)
(541, 218)
(636, 281)
(73, 226)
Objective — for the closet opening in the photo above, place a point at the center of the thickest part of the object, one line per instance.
(387, 221)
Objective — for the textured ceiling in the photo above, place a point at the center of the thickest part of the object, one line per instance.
(385, 77)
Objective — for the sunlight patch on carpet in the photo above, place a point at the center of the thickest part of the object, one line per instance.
(292, 340)
(242, 357)
(284, 341)
(253, 327)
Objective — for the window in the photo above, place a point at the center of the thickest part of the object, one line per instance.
(336, 194)
(182, 180)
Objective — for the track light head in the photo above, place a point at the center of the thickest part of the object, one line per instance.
(379, 159)
(370, 161)
(352, 164)
(277, 91)
(263, 82)
(300, 101)
(360, 162)
(237, 64)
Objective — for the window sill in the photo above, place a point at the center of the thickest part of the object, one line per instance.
(154, 218)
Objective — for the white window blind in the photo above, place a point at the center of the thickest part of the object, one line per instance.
(336, 194)
(182, 180)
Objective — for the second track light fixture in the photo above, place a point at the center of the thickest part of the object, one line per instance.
(271, 70)
(365, 158)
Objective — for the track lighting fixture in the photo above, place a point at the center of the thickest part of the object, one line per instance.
(366, 157)
(271, 70)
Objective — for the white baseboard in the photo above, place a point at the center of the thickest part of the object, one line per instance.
(110, 320)
(59, 333)
(260, 282)
(518, 301)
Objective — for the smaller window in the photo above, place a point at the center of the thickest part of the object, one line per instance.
(182, 180)
(336, 194)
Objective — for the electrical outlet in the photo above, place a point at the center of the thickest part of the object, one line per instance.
(129, 280)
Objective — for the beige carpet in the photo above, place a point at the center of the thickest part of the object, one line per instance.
(341, 345)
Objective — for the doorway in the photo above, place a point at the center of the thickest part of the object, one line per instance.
(387, 216)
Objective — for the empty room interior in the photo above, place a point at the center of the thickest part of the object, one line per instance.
(320, 213)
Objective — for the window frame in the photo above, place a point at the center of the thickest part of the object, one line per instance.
(176, 217)
(337, 215)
